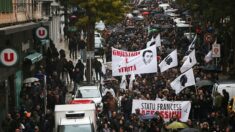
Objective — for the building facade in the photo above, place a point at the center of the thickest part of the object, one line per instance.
(19, 21)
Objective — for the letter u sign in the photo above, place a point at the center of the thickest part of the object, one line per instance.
(9, 57)
(41, 32)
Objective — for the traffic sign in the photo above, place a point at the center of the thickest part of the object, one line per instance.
(216, 50)
(41, 32)
(9, 57)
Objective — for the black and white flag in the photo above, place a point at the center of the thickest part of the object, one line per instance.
(123, 83)
(192, 45)
(189, 62)
(184, 80)
(170, 61)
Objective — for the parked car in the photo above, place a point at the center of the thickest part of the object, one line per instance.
(228, 85)
(90, 92)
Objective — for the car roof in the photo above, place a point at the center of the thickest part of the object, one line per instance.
(75, 107)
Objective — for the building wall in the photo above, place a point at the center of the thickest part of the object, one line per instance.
(22, 12)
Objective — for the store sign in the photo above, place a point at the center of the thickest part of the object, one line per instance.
(41, 32)
(216, 50)
(9, 57)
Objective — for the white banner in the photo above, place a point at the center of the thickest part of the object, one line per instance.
(137, 62)
(166, 109)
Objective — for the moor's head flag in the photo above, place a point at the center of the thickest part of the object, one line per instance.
(184, 80)
(158, 40)
(189, 62)
(192, 45)
(170, 61)
(136, 62)
(123, 83)
(208, 57)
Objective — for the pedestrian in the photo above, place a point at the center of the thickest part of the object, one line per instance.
(98, 69)
(6, 123)
(225, 101)
(77, 74)
(73, 47)
(70, 68)
(81, 48)
(81, 68)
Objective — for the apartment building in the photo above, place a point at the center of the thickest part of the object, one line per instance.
(19, 21)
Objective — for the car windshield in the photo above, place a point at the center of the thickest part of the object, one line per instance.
(90, 93)
(76, 128)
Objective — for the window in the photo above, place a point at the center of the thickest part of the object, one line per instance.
(5, 6)
(21, 5)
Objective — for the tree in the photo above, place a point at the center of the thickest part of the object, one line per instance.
(109, 11)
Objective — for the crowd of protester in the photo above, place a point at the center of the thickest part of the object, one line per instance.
(207, 114)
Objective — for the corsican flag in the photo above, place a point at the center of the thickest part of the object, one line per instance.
(150, 42)
(189, 62)
(192, 45)
(184, 80)
(158, 40)
(132, 78)
(170, 61)
(208, 57)
(123, 82)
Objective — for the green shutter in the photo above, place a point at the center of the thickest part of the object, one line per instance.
(1, 5)
(6, 6)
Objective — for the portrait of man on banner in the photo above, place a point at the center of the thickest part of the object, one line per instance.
(147, 56)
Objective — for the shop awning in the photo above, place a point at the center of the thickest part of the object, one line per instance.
(34, 57)
(18, 28)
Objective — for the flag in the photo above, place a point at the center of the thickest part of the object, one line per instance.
(184, 80)
(158, 41)
(123, 82)
(132, 78)
(153, 41)
(150, 42)
(192, 45)
(208, 57)
(170, 61)
(189, 62)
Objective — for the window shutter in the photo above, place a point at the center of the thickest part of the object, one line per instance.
(9, 5)
(1, 6)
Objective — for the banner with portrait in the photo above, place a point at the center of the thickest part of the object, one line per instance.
(166, 109)
(137, 62)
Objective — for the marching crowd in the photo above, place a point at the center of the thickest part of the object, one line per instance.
(207, 114)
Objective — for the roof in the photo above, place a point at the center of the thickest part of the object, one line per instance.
(84, 120)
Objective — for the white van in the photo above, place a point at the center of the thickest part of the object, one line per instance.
(229, 86)
(75, 118)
